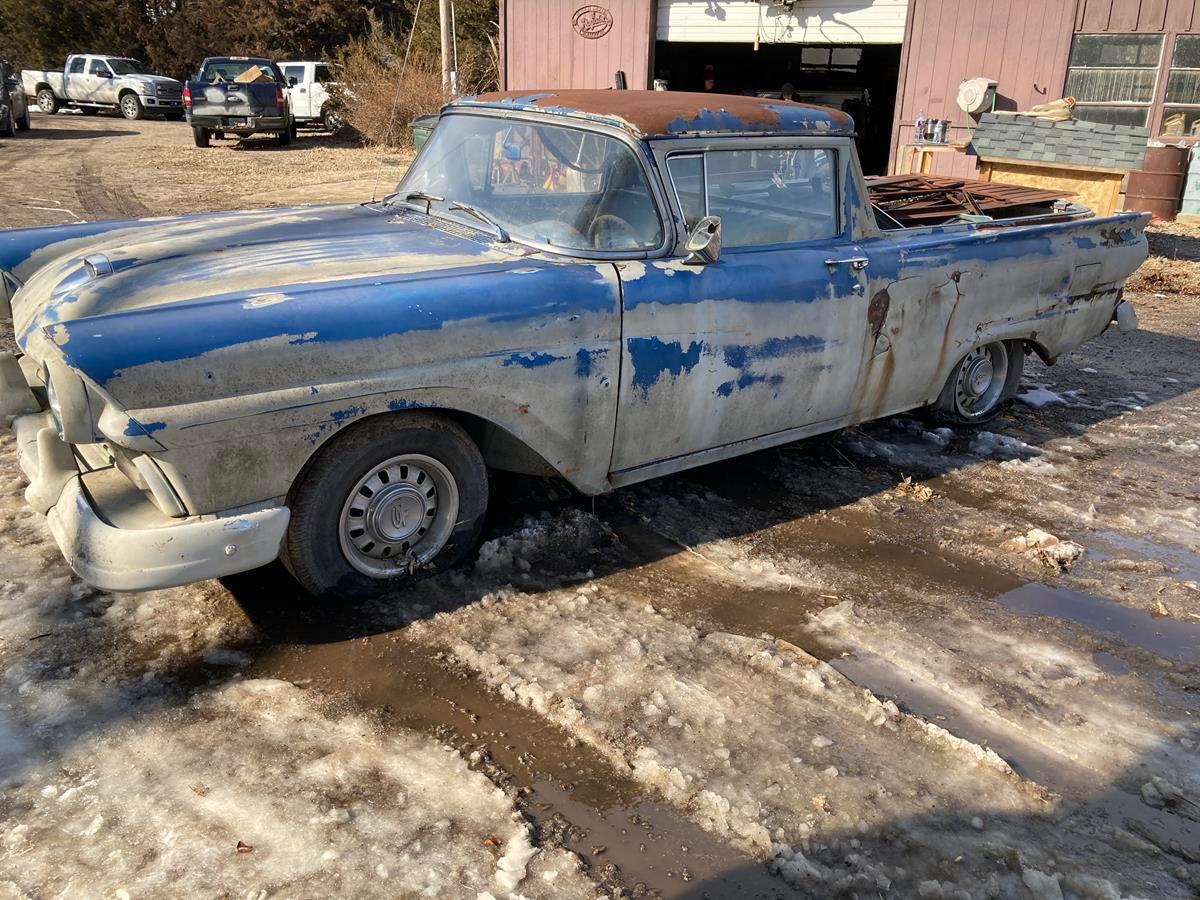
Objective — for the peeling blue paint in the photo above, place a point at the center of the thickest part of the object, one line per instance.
(398, 405)
(134, 428)
(531, 360)
(584, 360)
(726, 388)
(1084, 242)
(737, 356)
(651, 357)
(341, 416)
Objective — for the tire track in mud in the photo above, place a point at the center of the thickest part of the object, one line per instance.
(630, 843)
(99, 200)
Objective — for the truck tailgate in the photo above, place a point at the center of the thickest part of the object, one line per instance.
(229, 98)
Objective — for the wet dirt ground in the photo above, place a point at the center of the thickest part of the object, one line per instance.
(892, 662)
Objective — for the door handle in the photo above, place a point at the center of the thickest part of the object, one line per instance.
(854, 262)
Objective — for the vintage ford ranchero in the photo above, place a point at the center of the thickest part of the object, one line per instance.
(606, 285)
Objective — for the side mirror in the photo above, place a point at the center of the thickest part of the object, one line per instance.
(105, 74)
(292, 81)
(704, 243)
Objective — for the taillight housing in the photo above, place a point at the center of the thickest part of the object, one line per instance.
(279, 97)
(187, 97)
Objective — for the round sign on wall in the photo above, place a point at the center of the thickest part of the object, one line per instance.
(592, 22)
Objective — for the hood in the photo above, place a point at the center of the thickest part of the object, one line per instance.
(150, 79)
(177, 288)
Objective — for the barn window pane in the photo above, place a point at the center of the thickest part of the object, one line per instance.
(1116, 50)
(1113, 115)
(1111, 85)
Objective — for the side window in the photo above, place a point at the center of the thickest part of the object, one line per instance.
(687, 178)
(772, 196)
(99, 67)
(323, 75)
(290, 72)
(77, 65)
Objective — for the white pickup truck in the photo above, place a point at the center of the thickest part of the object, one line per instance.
(92, 83)
(308, 90)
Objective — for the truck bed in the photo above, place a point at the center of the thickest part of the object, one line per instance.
(915, 201)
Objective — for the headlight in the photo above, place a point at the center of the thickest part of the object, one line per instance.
(144, 88)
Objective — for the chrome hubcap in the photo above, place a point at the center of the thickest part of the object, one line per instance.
(130, 106)
(398, 516)
(980, 382)
(45, 101)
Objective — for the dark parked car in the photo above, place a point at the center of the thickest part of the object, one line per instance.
(14, 105)
(240, 95)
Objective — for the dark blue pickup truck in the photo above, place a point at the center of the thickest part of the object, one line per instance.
(239, 95)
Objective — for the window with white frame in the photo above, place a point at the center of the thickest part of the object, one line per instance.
(1113, 76)
(1181, 110)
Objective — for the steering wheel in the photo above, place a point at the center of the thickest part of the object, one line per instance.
(610, 232)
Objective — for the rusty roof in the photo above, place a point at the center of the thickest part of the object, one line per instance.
(671, 113)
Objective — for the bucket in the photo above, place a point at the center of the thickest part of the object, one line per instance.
(1157, 186)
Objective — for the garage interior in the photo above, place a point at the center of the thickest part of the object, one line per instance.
(858, 79)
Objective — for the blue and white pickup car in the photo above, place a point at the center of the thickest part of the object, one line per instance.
(605, 285)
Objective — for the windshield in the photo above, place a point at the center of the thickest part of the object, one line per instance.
(548, 184)
(126, 66)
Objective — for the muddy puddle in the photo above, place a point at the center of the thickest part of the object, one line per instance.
(1184, 563)
(1171, 638)
(632, 844)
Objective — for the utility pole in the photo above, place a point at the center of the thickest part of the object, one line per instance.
(444, 19)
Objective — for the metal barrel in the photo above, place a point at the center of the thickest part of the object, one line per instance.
(1157, 186)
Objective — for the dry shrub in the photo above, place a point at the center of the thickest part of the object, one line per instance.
(382, 92)
(1159, 275)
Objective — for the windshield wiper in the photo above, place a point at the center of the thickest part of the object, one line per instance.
(428, 199)
(501, 234)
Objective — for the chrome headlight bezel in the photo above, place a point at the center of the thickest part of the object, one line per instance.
(144, 89)
(70, 404)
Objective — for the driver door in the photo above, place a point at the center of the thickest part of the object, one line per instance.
(100, 83)
(766, 339)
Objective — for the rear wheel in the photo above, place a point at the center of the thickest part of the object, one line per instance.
(8, 125)
(23, 123)
(981, 384)
(131, 106)
(390, 498)
(47, 102)
(285, 137)
(200, 136)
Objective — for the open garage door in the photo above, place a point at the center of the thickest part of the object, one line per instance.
(860, 80)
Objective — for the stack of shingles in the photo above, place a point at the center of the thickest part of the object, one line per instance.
(1065, 144)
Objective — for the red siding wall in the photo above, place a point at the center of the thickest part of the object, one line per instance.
(542, 50)
(1022, 44)
(1132, 15)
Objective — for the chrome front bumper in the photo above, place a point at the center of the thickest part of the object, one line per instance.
(109, 531)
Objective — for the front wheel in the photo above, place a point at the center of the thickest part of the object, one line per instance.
(390, 498)
(981, 384)
(47, 102)
(131, 106)
(200, 136)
